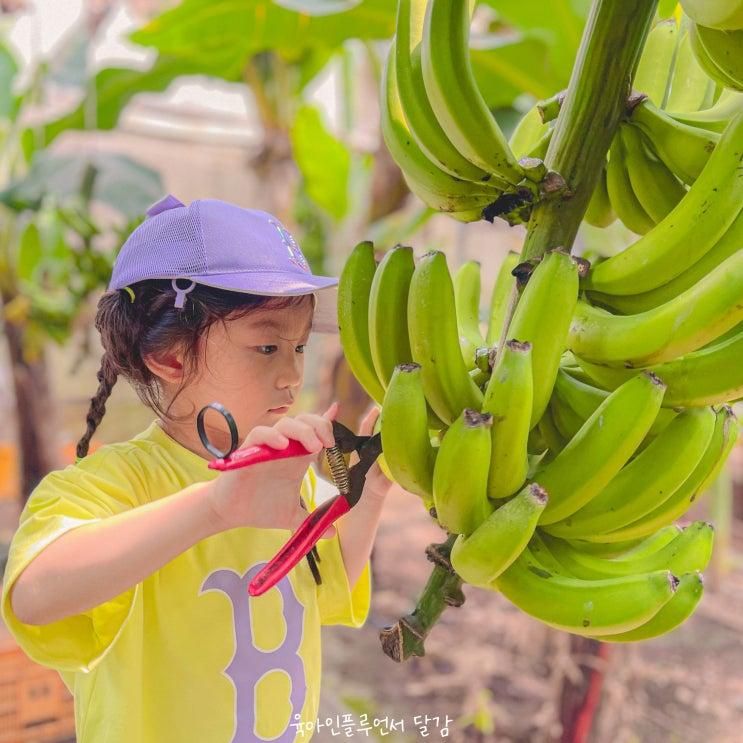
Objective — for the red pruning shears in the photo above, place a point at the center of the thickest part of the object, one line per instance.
(349, 481)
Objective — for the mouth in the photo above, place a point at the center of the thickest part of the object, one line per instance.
(282, 409)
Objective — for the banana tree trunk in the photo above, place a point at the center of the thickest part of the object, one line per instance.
(34, 412)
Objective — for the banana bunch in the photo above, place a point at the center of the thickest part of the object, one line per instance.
(436, 124)
(672, 125)
(604, 558)
(717, 39)
(562, 458)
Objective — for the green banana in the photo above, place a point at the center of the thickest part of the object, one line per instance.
(388, 311)
(701, 218)
(646, 481)
(719, 54)
(706, 471)
(596, 607)
(650, 545)
(690, 86)
(550, 435)
(435, 187)
(600, 212)
(460, 475)
(539, 552)
(566, 420)
(483, 555)
(405, 437)
(622, 197)
(723, 14)
(601, 448)
(354, 286)
(500, 296)
(690, 551)
(632, 304)
(613, 549)
(656, 61)
(528, 133)
(453, 93)
(716, 117)
(542, 318)
(421, 120)
(709, 376)
(508, 398)
(672, 615)
(467, 303)
(583, 399)
(434, 340)
(686, 323)
(656, 188)
(684, 149)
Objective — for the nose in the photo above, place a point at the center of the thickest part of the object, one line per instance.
(291, 372)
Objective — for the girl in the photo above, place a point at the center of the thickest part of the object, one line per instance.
(129, 570)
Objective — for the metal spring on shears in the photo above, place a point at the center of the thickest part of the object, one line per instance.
(338, 469)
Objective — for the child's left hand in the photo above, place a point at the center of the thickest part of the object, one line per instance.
(377, 483)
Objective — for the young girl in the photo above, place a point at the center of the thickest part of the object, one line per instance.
(129, 570)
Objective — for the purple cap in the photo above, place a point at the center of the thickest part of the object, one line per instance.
(222, 245)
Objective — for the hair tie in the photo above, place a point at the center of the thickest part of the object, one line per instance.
(130, 292)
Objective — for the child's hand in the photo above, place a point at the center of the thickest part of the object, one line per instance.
(266, 495)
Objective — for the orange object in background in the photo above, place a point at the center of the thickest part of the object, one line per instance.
(9, 471)
(35, 705)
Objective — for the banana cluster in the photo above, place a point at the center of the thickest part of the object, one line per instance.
(672, 126)
(563, 487)
(561, 445)
(717, 39)
(436, 124)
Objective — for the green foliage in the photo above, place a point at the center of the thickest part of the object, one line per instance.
(118, 181)
(558, 24)
(8, 71)
(231, 32)
(323, 160)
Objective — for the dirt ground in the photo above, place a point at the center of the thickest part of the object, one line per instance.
(488, 661)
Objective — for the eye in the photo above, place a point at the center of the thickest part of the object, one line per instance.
(262, 350)
(300, 349)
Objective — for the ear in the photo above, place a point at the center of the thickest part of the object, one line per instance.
(167, 365)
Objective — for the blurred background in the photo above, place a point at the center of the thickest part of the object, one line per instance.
(106, 106)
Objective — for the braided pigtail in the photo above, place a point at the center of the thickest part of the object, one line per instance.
(107, 376)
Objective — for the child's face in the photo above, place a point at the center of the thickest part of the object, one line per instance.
(253, 365)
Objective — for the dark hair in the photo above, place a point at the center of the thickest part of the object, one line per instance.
(131, 330)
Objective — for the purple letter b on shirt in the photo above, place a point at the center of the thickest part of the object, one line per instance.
(250, 663)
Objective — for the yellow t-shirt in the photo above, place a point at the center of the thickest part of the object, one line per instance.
(185, 656)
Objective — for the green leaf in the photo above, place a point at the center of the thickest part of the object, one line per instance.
(115, 87)
(507, 67)
(231, 31)
(69, 65)
(323, 160)
(8, 71)
(30, 252)
(120, 182)
(559, 24)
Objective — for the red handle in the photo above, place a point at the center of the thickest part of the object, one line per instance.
(299, 544)
(256, 454)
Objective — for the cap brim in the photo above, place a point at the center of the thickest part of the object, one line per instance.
(282, 284)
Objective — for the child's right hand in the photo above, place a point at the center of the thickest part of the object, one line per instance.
(267, 495)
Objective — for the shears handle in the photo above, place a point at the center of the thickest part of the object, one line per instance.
(256, 454)
(299, 544)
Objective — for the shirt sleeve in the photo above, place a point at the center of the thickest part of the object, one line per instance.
(337, 601)
(62, 501)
